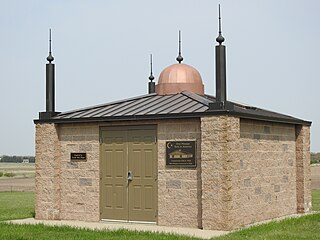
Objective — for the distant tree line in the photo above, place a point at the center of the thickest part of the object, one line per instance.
(16, 159)
(315, 158)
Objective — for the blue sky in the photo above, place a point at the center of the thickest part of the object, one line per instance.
(102, 48)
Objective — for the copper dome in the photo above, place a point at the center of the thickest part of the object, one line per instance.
(179, 77)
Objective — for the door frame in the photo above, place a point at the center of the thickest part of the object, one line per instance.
(155, 170)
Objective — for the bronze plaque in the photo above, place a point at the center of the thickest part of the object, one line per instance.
(78, 157)
(181, 153)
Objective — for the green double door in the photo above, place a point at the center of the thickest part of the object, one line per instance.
(128, 174)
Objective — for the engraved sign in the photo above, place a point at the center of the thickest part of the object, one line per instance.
(181, 154)
(78, 157)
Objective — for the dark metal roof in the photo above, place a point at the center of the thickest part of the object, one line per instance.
(153, 106)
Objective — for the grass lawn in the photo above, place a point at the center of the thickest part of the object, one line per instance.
(316, 200)
(16, 205)
(41, 232)
(306, 227)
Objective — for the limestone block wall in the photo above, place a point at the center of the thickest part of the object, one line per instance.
(265, 172)
(47, 179)
(249, 171)
(70, 190)
(79, 181)
(219, 143)
(303, 176)
(179, 189)
(65, 189)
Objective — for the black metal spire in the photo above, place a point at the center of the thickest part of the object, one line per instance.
(152, 85)
(179, 58)
(151, 77)
(50, 58)
(220, 38)
(50, 86)
(221, 102)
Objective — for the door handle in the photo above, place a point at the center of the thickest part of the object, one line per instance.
(130, 176)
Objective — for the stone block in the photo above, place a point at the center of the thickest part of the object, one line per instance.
(285, 179)
(176, 184)
(85, 147)
(266, 129)
(66, 138)
(257, 190)
(276, 188)
(92, 138)
(247, 182)
(78, 138)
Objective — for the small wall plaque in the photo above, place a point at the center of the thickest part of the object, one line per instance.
(78, 157)
(181, 154)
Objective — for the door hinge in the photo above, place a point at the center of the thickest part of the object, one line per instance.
(100, 140)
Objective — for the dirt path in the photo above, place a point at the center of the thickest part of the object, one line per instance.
(17, 184)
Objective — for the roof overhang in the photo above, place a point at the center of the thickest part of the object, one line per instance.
(176, 106)
(175, 116)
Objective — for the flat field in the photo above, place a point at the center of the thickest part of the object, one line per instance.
(16, 205)
(21, 177)
(315, 176)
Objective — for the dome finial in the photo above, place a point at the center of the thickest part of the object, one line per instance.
(220, 38)
(151, 85)
(179, 58)
(151, 77)
(50, 58)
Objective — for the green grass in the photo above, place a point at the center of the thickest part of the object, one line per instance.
(306, 227)
(9, 174)
(35, 232)
(16, 205)
(316, 200)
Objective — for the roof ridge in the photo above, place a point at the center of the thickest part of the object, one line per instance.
(196, 97)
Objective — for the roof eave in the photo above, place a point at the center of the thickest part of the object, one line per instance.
(270, 119)
(175, 116)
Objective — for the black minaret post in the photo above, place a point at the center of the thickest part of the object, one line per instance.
(50, 80)
(179, 58)
(50, 87)
(221, 79)
(152, 85)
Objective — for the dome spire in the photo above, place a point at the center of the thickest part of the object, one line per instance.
(151, 77)
(220, 38)
(50, 58)
(179, 58)
(152, 85)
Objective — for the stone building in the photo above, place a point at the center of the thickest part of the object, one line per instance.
(121, 160)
